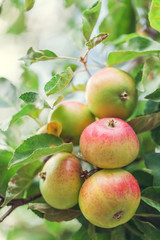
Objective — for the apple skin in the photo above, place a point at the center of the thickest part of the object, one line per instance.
(74, 117)
(109, 143)
(104, 92)
(109, 198)
(60, 181)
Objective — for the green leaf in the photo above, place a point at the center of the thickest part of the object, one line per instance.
(83, 221)
(17, 3)
(118, 233)
(6, 174)
(135, 47)
(38, 146)
(122, 39)
(81, 234)
(33, 97)
(145, 123)
(27, 110)
(151, 64)
(32, 233)
(149, 231)
(146, 143)
(79, 87)
(29, 97)
(90, 17)
(151, 107)
(154, 14)
(21, 180)
(155, 96)
(103, 236)
(19, 25)
(132, 230)
(29, 4)
(115, 23)
(58, 100)
(152, 161)
(7, 94)
(53, 227)
(155, 133)
(55, 215)
(144, 178)
(151, 196)
(41, 55)
(29, 80)
(92, 232)
(58, 82)
(96, 40)
(68, 3)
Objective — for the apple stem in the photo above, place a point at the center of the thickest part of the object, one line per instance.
(112, 123)
(124, 96)
(42, 175)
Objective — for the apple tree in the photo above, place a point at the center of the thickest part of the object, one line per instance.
(87, 150)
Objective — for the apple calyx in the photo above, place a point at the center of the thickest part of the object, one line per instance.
(68, 139)
(86, 174)
(118, 215)
(124, 96)
(111, 123)
(42, 175)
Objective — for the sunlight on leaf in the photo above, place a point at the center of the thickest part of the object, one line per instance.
(38, 146)
(58, 82)
(90, 17)
(154, 14)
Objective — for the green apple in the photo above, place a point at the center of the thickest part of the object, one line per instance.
(109, 198)
(60, 181)
(111, 92)
(74, 117)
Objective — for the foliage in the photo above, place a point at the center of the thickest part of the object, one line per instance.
(127, 34)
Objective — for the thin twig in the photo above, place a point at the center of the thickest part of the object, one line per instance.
(84, 61)
(23, 201)
(86, 53)
(14, 203)
(36, 120)
(82, 70)
(7, 213)
(85, 65)
(69, 58)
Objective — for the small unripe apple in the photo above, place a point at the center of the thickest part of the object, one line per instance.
(74, 117)
(111, 92)
(109, 198)
(60, 181)
(109, 143)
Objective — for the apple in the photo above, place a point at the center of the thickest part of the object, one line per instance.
(109, 197)
(74, 117)
(111, 92)
(60, 181)
(109, 143)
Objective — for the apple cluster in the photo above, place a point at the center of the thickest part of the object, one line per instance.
(111, 195)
